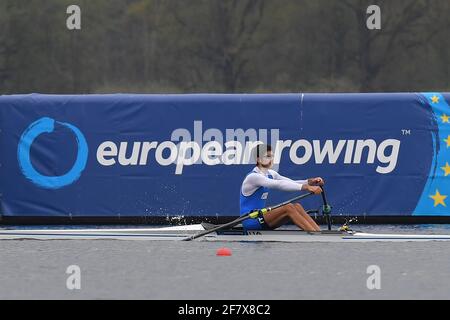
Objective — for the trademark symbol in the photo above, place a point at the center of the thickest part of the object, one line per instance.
(406, 132)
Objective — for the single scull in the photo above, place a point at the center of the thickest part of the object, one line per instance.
(232, 235)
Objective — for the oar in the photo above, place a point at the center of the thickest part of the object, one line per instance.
(252, 215)
(326, 208)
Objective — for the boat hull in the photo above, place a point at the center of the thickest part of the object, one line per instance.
(239, 235)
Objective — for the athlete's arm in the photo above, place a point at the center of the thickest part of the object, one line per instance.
(255, 180)
(311, 185)
(278, 176)
(318, 181)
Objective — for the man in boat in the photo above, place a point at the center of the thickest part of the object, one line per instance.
(255, 190)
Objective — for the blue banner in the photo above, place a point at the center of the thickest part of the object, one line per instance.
(186, 155)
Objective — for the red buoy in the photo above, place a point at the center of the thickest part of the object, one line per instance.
(224, 252)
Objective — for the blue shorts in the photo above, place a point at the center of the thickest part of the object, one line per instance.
(255, 224)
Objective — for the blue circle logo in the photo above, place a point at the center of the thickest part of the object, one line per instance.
(47, 125)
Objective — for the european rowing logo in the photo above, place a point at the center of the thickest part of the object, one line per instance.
(47, 125)
(211, 147)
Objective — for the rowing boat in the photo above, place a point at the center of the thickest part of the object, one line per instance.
(229, 235)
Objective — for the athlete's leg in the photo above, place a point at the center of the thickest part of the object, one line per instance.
(303, 212)
(278, 222)
(277, 217)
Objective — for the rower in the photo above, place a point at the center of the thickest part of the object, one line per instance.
(255, 190)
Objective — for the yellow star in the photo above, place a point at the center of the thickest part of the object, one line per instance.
(445, 118)
(435, 99)
(446, 169)
(438, 199)
(448, 141)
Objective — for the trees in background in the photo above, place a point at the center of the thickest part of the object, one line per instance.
(223, 46)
